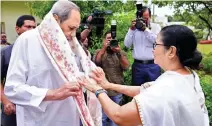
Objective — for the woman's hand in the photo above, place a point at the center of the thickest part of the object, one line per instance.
(99, 76)
(89, 84)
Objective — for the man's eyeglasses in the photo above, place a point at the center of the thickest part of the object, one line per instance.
(28, 26)
(155, 44)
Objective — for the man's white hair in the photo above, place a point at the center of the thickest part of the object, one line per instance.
(62, 8)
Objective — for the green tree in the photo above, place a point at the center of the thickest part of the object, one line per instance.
(122, 12)
(39, 8)
(195, 13)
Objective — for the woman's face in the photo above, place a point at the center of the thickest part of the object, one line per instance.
(159, 52)
(162, 56)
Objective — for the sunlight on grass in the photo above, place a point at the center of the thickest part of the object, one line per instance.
(205, 48)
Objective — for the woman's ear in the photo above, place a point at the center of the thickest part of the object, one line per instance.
(56, 18)
(172, 51)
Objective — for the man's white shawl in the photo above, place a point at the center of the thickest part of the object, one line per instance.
(62, 55)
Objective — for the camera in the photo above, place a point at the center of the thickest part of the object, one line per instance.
(113, 42)
(98, 20)
(141, 23)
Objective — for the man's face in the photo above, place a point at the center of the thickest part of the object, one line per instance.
(146, 15)
(108, 37)
(3, 38)
(70, 25)
(28, 25)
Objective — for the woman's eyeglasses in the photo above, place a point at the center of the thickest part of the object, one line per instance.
(155, 44)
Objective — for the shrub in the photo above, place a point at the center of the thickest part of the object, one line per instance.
(207, 63)
(206, 82)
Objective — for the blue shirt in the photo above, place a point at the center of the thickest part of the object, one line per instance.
(142, 42)
(5, 59)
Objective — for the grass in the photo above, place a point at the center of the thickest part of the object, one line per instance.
(205, 48)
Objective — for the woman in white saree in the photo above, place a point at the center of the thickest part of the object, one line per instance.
(174, 99)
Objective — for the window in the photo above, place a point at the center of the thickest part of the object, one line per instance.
(2, 27)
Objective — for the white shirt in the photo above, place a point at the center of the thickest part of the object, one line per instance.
(142, 42)
(30, 75)
(173, 100)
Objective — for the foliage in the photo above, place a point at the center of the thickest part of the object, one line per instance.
(122, 21)
(199, 34)
(40, 8)
(195, 13)
(207, 63)
(206, 83)
(205, 48)
(121, 13)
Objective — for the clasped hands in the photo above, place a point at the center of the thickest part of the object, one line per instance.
(96, 81)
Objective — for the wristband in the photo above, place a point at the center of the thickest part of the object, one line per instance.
(97, 92)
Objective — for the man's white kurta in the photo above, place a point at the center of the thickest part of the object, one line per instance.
(30, 75)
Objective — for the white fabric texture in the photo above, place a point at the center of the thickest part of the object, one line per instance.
(61, 54)
(173, 100)
(30, 75)
(32, 72)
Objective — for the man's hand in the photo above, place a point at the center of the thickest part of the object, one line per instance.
(132, 27)
(9, 108)
(89, 18)
(63, 92)
(143, 26)
(116, 49)
(106, 44)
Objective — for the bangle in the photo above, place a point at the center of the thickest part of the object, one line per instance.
(99, 91)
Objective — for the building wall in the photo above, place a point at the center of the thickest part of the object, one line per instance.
(10, 11)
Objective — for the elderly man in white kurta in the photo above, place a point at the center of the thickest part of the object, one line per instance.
(33, 82)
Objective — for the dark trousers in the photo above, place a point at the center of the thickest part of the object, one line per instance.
(142, 73)
(7, 120)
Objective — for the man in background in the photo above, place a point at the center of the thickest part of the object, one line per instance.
(113, 61)
(142, 37)
(4, 42)
(8, 117)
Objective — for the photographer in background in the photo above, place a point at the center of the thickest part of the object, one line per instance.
(113, 61)
(142, 35)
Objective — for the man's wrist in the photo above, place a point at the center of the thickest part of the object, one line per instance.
(102, 51)
(5, 101)
(49, 95)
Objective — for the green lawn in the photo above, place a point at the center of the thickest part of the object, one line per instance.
(205, 48)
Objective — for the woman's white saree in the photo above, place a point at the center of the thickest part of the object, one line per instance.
(173, 100)
(62, 55)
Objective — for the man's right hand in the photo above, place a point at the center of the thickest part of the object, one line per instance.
(132, 27)
(63, 92)
(9, 108)
(106, 44)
